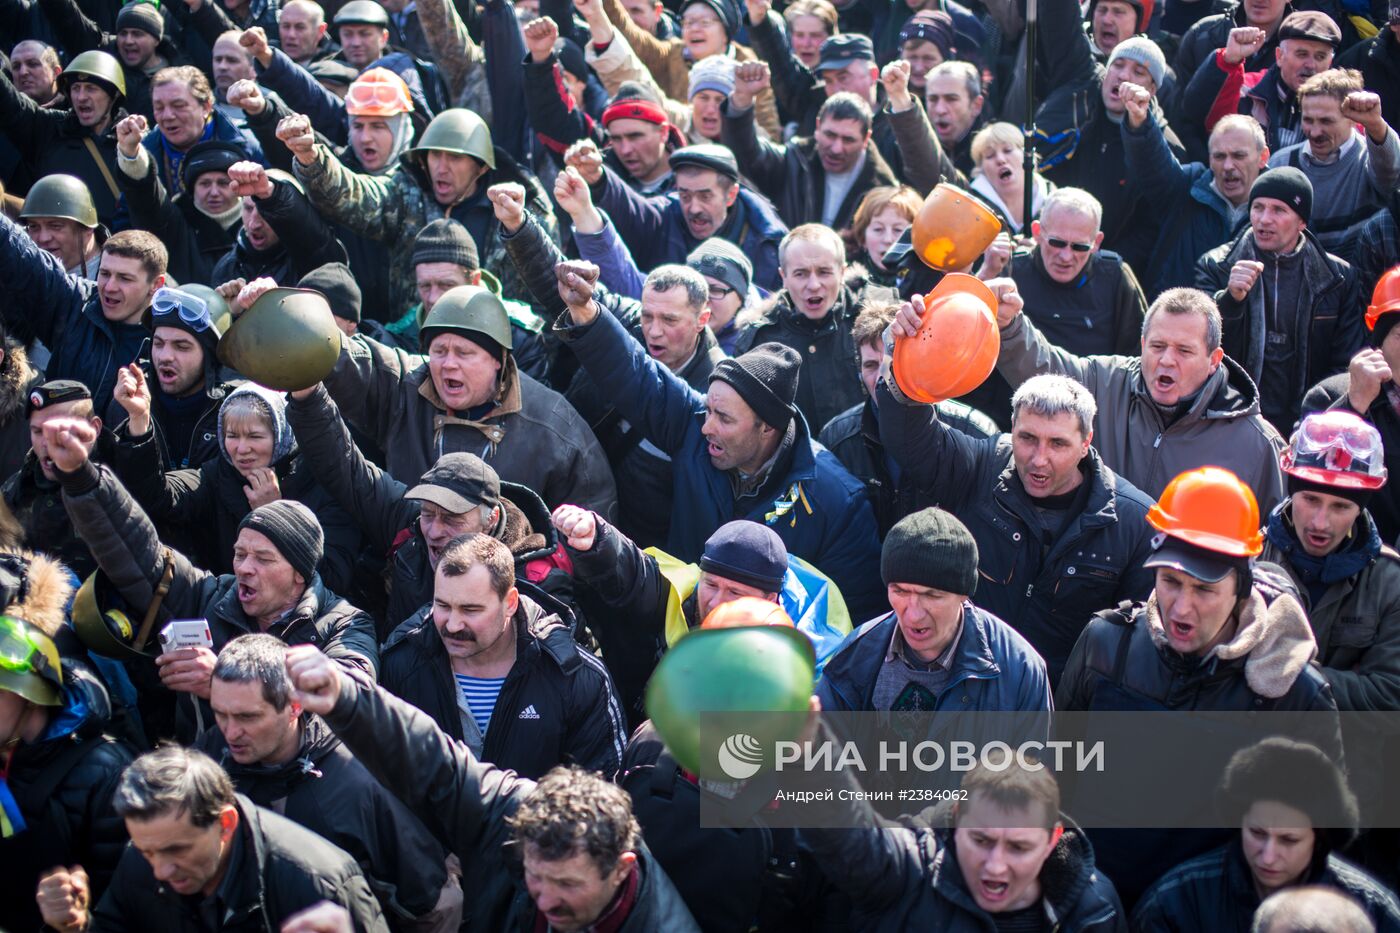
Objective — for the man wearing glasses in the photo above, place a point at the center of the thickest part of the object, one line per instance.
(1082, 298)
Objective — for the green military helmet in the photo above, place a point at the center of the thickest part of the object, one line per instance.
(104, 626)
(467, 309)
(286, 341)
(737, 672)
(457, 130)
(99, 65)
(361, 13)
(29, 663)
(61, 196)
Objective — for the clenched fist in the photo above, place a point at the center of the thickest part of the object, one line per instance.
(254, 42)
(540, 36)
(750, 80)
(578, 526)
(129, 133)
(576, 280)
(64, 896)
(250, 180)
(895, 78)
(1137, 102)
(247, 96)
(1243, 275)
(296, 134)
(1243, 42)
(508, 201)
(584, 157)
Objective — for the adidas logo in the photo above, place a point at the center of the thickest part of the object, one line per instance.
(529, 712)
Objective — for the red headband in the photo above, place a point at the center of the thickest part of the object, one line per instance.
(635, 110)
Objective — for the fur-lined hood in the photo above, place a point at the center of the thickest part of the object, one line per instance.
(37, 589)
(15, 376)
(1273, 639)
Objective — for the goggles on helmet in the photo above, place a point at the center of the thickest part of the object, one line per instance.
(1336, 448)
(191, 309)
(20, 652)
(378, 93)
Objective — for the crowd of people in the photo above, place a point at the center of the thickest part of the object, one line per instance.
(388, 386)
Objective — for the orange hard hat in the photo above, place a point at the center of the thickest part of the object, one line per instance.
(957, 343)
(952, 229)
(1211, 508)
(746, 610)
(1385, 298)
(378, 93)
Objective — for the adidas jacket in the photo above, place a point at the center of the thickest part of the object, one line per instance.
(557, 706)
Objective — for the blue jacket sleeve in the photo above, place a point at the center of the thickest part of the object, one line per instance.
(53, 299)
(1064, 45)
(605, 249)
(647, 393)
(638, 219)
(505, 50)
(1151, 161)
(850, 556)
(304, 94)
(940, 461)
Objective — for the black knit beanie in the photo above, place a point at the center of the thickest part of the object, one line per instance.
(765, 378)
(143, 16)
(931, 548)
(1361, 497)
(1286, 184)
(337, 283)
(293, 530)
(446, 240)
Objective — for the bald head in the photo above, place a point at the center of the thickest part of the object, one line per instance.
(35, 67)
(1311, 909)
(300, 26)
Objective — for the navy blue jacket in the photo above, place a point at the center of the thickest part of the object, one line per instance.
(654, 227)
(994, 669)
(65, 313)
(221, 129)
(817, 508)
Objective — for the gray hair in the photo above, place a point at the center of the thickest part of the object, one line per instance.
(260, 659)
(669, 276)
(1187, 301)
(965, 71)
(1074, 200)
(1241, 121)
(1311, 909)
(1051, 396)
(172, 780)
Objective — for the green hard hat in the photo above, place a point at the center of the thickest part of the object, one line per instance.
(61, 196)
(107, 631)
(457, 130)
(29, 663)
(751, 669)
(467, 309)
(97, 65)
(286, 341)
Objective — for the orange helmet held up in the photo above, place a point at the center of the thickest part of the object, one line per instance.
(952, 229)
(1385, 299)
(1211, 508)
(957, 343)
(378, 93)
(746, 610)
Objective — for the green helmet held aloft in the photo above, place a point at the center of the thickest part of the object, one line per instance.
(61, 196)
(29, 663)
(467, 309)
(97, 65)
(286, 341)
(457, 130)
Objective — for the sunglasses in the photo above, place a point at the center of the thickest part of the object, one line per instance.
(1055, 242)
(190, 308)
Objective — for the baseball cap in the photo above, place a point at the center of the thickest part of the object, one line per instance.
(458, 482)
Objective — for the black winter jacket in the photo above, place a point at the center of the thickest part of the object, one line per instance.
(324, 789)
(276, 869)
(194, 241)
(389, 522)
(1216, 892)
(1329, 315)
(305, 242)
(63, 784)
(1332, 392)
(557, 705)
(1378, 60)
(467, 802)
(1045, 588)
(1100, 312)
(1211, 33)
(854, 437)
(791, 175)
(829, 380)
(204, 439)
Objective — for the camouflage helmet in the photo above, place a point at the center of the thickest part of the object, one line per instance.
(99, 65)
(467, 310)
(61, 196)
(457, 130)
(29, 662)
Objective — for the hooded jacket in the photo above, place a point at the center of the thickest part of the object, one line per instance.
(829, 381)
(200, 508)
(1353, 602)
(1328, 314)
(1216, 891)
(276, 869)
(531, 436)
(389, 522)
(1222, 425)
(194, 240)
(36, 503)
(466, 802)
(1045, 588)
(324, 789)
(63, 312)
(63, 781)
(557, 705)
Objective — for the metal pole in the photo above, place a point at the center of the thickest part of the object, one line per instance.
(1029, 164)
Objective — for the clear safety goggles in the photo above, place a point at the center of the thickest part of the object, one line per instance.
(191, 309)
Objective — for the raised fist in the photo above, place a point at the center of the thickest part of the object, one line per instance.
(508, 201)
(254, 41)
(1137, 102)
(250, 180)
(247, 96)
(1243, 275)
(584, 157)
(540, 36)
(895, 78)
(129, 133)
(578, 526)
(1243, 42)
(296, 134)
(750, 80)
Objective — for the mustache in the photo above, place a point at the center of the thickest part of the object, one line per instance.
(463, 635)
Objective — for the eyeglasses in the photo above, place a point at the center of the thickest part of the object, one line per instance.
(191, 308)
(1055, 242)
(720, 292)
(700, 22)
